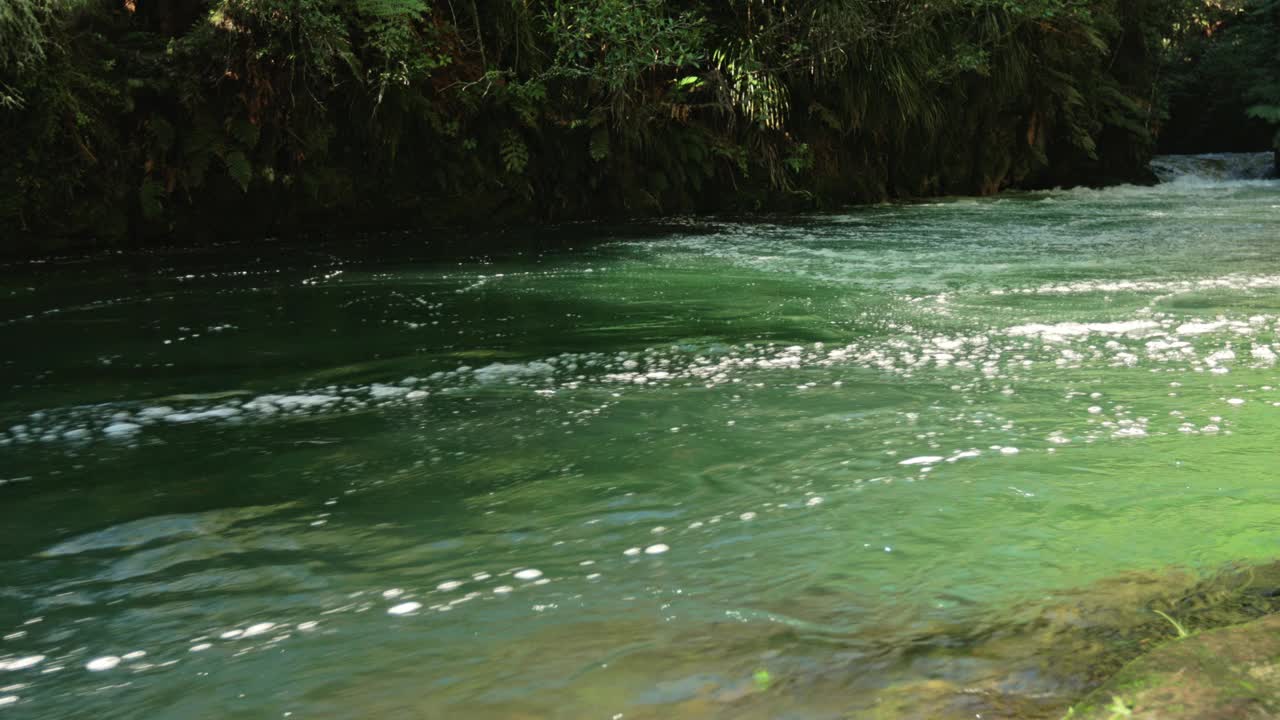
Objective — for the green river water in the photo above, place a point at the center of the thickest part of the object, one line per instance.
(798, 468)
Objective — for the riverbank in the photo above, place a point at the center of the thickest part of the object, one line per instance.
(195, 121)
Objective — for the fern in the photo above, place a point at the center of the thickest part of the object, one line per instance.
(1269, 113)
(599, 146)
(514, 153)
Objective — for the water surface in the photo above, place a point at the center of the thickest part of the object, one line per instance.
(719, 469)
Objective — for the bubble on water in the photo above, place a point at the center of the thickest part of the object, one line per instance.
(1095, 410)
(392, 593)
(813, 501)
(923, 460)
(231, 634)
(258, 629)
(200, 647)
(631, 552)
(121, 429)
(747, 516)
(1235, 401)
(656, 549)
(22, 663)
(529, 574)
(1129, 432)
(8, 700)
(404, 608)
(135, 655)
(107, 662)
(448, 585)
(308, 625)
(1009, 451)
(503, 589)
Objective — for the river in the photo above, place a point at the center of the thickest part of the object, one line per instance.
(713, 468)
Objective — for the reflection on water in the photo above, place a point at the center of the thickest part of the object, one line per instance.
(851, 465)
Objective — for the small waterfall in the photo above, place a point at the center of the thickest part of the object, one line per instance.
(1214, 167)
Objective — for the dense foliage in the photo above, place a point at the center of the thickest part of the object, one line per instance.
(1225, 79)
(129, 118)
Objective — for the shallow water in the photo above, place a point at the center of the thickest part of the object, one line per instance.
(795, 469)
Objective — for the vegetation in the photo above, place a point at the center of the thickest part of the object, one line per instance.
(1225, 79)
(126, 119)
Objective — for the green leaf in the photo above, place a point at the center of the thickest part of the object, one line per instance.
(239, 168)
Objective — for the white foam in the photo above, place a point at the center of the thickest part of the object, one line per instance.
(1062, 331)
(529, 574)
(258, 629)
(513, 373)
(448, 585)
(404, 608)
(656, 549)
(107, 662)
(1129, 432)
(121, 429)
(923, 460)
(382, 392)
(1200, 328)
(155, 413)
(22, 663)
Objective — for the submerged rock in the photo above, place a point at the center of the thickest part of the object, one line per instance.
(1224, 674)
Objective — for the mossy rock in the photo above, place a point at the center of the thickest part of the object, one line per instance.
(1232, 673)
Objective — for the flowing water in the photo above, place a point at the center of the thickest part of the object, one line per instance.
(793, 469)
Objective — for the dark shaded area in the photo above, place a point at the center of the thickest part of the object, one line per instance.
(128, 121)
(1224, 81)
